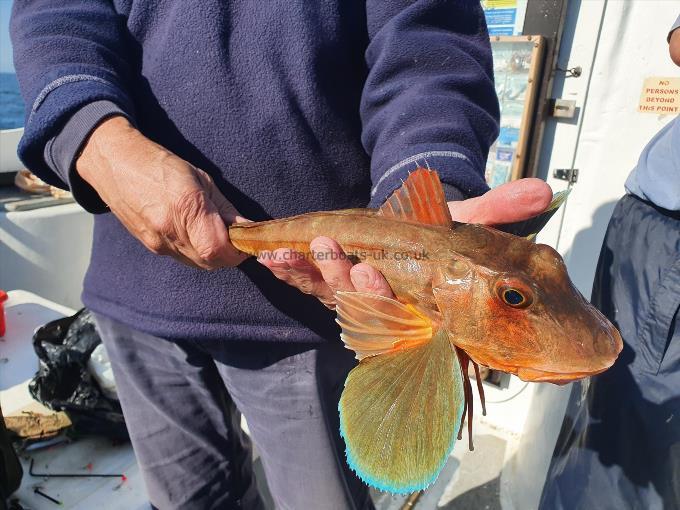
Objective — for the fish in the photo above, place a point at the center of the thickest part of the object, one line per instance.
(465, 294)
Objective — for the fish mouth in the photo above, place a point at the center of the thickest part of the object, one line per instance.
(607, 345)
(536, 375)
(606, 349)
(533, 375)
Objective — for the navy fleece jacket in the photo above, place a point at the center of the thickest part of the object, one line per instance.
(290, 105)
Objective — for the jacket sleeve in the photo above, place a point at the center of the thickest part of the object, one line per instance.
(71, 59)
(429, 97)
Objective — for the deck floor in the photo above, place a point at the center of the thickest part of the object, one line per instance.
(469, 481)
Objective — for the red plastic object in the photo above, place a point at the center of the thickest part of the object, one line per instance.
(3, 298)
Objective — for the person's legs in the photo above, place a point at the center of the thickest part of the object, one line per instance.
(184, 427)
(289, 395)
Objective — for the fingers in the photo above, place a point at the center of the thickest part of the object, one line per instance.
(200, 233)
(366, 278)
(332, 262)
(510, 202)
(330, 272)
(207, 236)
(294, 269)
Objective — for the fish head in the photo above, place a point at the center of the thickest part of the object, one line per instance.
(515, 309)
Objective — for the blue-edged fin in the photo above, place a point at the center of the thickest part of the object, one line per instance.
(401, 408)
(531, 227)
(420, 199)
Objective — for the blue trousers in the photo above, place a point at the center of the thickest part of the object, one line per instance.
(619, 447)
(183, 400)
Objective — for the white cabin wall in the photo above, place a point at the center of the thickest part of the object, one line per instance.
(632, 47)
(46, 251)
(617, 43)
(9, 139)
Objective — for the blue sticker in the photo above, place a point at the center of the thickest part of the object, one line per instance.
(502, 30)
(500, 16)
(504, 154)
(508, 136)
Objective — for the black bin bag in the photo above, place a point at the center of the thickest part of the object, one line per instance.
(63, 381)
(10, 467)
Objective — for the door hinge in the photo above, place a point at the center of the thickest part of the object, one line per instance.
(566, 174)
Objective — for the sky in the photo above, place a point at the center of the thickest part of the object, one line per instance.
(6, 65)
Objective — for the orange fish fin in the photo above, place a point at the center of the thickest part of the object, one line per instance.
(419, 200)
(373, 324)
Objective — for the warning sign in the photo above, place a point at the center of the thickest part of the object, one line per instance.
(660, 96)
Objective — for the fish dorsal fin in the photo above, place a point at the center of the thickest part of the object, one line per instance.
(419, 200)
(373, 324)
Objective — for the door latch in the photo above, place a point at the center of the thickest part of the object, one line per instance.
(562, 108)
(566, 174)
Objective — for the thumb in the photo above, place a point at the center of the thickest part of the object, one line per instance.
(225, 209)
(510, 202)
(209, 234)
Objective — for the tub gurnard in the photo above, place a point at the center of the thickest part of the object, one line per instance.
(465, 293)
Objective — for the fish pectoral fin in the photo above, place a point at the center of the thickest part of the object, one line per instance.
(419, 200)
(531, 227)
(403, 404)
(400, 412)
(373, 324)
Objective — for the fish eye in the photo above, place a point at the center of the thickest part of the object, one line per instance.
(514, 297)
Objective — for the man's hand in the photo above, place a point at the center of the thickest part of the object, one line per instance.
(172, 207)
(334, 272)
(508, 203)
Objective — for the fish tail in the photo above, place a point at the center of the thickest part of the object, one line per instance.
(295, 232)
(254, 238)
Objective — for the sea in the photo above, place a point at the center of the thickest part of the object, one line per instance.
(11, 104)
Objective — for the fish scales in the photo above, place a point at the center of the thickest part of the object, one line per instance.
(360, 232)
(405, 253)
